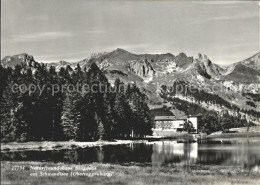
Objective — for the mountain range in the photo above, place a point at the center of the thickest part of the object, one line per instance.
(237, 84)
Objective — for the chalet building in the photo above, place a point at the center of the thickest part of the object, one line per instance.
(166, 124)
(169, 123)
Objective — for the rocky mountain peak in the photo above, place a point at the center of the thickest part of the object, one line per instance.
(120, 51)
(147, 65)
(182, 55)
(203, 58)
(62, 62)
(252, 62)
(22, 58)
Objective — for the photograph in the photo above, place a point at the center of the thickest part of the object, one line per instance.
(130, 92)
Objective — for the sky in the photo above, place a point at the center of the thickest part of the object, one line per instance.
(70, 30)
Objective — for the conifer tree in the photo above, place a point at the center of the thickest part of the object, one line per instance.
(70, 118)
(7, 117)
(100, 128)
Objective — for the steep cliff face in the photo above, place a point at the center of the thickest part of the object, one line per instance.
(209, 69)
(127, 63)
(183, 61)
(246, 71)
(142, 68)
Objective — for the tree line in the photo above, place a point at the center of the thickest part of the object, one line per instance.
(199, 96)
(209, 121)
(119, 112)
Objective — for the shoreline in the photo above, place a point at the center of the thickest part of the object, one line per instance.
(104, 173)
(234, 135)
(54, 145)
(58, 145)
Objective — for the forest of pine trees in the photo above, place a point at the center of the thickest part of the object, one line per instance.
(69, 114)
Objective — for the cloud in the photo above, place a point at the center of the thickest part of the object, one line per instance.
(80, 55)
(68, 56)
(135, 46)
(225, 2)
(94, 31)
(238, 45)
(123, 46)
(41, 36)
(38, 18)
(219, 18)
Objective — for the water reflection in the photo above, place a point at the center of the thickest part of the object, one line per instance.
(173, 152)
(242, 154)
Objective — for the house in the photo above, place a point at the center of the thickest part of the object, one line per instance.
(168, 124)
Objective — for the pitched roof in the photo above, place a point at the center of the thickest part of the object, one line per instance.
(164, 118)
(158, 118)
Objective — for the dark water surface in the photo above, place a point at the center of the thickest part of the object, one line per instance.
(242, 154)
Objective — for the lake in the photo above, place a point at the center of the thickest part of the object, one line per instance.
(238, 154)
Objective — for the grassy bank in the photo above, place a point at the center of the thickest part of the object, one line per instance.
(241, 132)
(234, 135)
(118, 174)
(51, 145)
